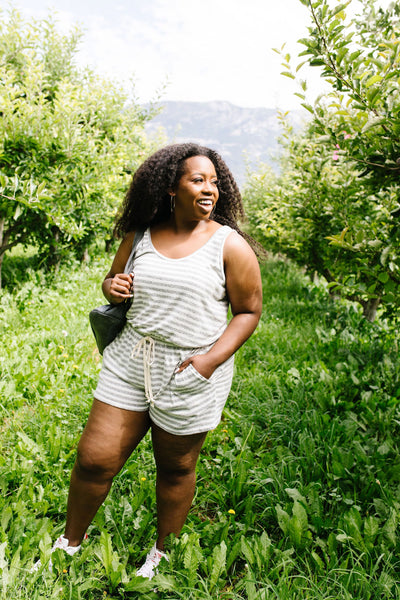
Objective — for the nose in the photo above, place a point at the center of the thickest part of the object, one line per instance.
(207, 187)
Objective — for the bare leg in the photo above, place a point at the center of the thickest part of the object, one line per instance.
(176, 457)
(110, 436)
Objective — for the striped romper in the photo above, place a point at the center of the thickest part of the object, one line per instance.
(180, 309)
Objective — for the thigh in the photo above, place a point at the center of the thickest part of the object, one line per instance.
(110, 435)
(177, 453)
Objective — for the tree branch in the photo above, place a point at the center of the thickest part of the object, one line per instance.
(329, 62)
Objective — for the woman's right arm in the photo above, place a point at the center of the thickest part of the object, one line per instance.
(117, 284)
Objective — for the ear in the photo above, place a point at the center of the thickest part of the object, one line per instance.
(171, 192)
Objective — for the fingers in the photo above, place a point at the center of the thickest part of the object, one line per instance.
(202, 364)
(183, 365)
(122, 285)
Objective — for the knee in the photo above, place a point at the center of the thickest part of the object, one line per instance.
(90, 465)
(175, 475)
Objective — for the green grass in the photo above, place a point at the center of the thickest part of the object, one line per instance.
(306, 457)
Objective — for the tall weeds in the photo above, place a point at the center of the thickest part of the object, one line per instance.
(298, 490)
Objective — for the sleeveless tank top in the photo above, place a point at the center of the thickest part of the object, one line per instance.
(180, 301)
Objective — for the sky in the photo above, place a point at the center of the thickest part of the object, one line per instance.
(189, 50)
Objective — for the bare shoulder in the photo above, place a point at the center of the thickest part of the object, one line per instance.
(125, 247)
(129, 237)
(236, 248)
(243, 277)
(122, 255)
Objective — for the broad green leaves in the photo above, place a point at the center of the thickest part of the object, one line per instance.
(334, 208)
(297, 488)
(69, 141)
(295, 526)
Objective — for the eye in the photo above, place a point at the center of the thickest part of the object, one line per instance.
(198, 180)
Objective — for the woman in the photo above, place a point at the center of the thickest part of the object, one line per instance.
(170, 369)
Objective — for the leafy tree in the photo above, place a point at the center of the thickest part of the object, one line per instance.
(68, 142)
(335, 206)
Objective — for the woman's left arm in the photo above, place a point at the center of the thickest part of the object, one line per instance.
(244, 289)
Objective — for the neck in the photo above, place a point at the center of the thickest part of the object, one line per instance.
(184, 226)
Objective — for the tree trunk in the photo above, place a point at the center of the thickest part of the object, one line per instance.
(370, 307)
(53, 256)
(108, 244)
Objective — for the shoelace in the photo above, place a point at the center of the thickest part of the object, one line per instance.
(150, 567)
(59, 544)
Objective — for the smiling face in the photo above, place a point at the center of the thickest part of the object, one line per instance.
(197, 191)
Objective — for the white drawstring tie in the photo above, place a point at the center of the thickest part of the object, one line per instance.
(146, 346)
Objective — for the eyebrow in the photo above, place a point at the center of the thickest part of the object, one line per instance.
(202, 174)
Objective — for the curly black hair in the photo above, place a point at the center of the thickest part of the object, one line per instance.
(147, 201)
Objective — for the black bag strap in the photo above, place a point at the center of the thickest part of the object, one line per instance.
(129, 263)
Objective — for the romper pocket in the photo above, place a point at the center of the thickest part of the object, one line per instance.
(190, 380)
(191, 402)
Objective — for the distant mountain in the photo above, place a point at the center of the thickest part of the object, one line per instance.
(241, 135)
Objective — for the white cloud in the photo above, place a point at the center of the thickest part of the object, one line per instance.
(213, 50)
(208, 50)
(224, 48)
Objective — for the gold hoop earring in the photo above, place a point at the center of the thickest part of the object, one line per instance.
(172, 203)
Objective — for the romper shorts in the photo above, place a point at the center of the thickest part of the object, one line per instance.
(138, 374)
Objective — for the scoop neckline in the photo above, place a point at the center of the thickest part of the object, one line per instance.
(187, 255)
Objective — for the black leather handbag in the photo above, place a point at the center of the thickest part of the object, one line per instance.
(109, 319)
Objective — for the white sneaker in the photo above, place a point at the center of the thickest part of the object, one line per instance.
(149, 568)
(61, 543)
